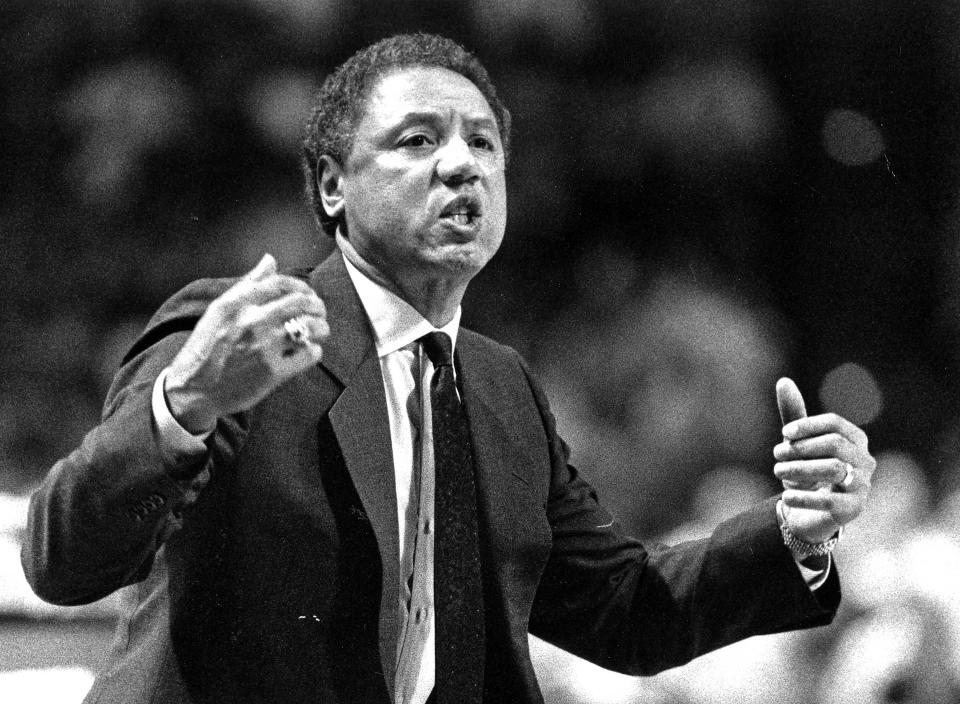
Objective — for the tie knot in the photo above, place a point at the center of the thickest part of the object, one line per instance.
(439, 348)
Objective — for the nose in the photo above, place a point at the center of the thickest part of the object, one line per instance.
(456, 163)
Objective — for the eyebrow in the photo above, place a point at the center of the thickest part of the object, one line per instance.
(433, 116)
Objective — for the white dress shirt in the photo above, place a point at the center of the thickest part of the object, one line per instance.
(396, 328)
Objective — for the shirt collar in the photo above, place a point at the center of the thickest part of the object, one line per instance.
(395, 322)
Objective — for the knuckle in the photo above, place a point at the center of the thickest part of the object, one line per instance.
(299, 299)
(246, 316)
(312, 304)
(225, 303)
(835, 441)
(293, 283)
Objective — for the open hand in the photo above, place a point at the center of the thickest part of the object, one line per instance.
(240, 351)
(824, 465)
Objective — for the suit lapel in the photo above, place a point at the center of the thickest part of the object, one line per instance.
(360, 422)
(351, 340)
(501, 437)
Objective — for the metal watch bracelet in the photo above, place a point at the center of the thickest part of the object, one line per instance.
(805, 549)
(801, 548)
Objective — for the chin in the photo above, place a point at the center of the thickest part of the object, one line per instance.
(459, 267)
(467, 257)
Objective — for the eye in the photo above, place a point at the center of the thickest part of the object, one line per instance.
(416, 140)
(481, 142)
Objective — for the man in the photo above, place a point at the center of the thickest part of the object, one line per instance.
(305, 499)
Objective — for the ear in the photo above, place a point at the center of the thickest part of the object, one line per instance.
(330, 186)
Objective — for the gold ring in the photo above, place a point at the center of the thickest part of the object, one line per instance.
(297, 332)
(847, 480)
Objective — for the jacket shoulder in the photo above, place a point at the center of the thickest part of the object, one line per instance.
(498, 358)
(488, 347)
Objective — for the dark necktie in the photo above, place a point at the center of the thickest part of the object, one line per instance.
(458, 592)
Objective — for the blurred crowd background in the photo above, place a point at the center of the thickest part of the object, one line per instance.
(703, 196)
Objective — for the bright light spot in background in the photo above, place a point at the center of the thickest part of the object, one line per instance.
(933, 560)
(925, 565)
(852, 138)
(66, 685)
(873, 545)
(851, 391)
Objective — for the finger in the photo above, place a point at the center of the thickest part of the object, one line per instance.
(842, 508)
(293, 305)
(290, 357)
(265, 267)
(261, 291)
(275, 334)
(820, 446)
(790, 401)
(823, 424)
(809, 472)
(294, 358)
(319, 328)
(317, 332)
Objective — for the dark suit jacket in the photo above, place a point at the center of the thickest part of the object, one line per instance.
(268, 572)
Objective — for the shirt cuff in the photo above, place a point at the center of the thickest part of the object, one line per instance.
(813, 575)
(176, 442)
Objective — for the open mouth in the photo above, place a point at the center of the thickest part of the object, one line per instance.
(462, 210)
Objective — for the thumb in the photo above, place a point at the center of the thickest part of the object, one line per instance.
(264, 268)
(790, 401)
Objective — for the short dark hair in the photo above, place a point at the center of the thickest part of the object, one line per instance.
(341, 102)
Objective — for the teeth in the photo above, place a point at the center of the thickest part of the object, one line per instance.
(460, 218)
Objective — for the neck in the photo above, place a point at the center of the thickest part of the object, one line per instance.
(435, 299)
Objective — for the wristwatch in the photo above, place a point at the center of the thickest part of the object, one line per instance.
(804, 549)
(801, 548)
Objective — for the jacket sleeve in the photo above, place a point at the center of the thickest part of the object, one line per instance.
(607, 598)
(102, 511)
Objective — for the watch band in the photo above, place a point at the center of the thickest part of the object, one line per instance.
(805, 549)
(801, 548)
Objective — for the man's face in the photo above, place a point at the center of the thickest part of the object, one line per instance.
(423, 187)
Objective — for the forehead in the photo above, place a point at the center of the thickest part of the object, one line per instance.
(421, 89)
